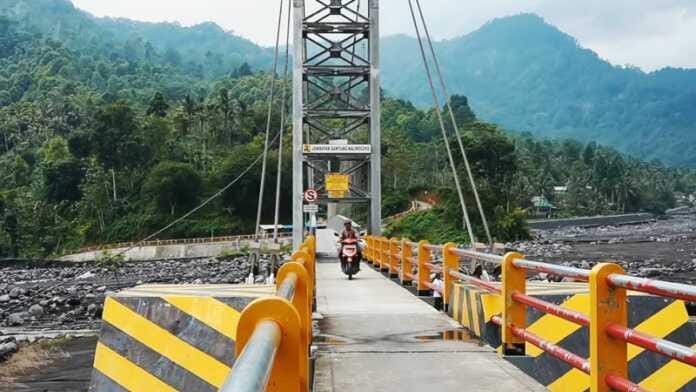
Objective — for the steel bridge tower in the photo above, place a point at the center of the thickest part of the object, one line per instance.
(336, 107)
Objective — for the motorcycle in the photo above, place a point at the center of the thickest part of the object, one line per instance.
(350, 257)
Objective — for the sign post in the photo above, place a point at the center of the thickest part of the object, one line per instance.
(311, 196)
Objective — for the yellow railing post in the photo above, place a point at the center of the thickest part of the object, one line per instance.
(513, 280)
(308, 263)
(380, 252)
(366, 252)
(291, 363)
(450, 262)
(423, 275)
(394, 257)
(303, 294)
(607, 306)
(386, 258)
(406, 265)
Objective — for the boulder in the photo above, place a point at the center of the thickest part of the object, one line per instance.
(36, 310)
(15, 319)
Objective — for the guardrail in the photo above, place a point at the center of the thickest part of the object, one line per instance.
(274, 334)
(607, 322)
(184, 241)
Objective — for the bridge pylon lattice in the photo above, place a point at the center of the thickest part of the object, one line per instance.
(336, 107)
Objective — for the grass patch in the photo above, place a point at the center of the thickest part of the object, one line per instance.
(30, 358)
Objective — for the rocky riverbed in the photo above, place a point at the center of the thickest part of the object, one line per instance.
(46, 300)
(662, 249)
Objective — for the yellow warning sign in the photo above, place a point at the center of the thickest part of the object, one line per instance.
(337, 185)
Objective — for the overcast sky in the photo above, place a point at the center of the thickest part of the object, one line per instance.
(648, 33)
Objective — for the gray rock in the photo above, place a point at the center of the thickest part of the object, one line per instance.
(36, 310)
(4, 298)
(15, 319)
(15, 292)
(8, 348)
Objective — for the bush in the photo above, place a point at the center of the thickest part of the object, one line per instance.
(510, 226)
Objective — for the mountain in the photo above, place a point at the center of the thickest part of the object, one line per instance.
(527, 75)
(519, 72)
(205, 49)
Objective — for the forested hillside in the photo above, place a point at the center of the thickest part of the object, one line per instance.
(99, 146)
(525, 74)
(519, 72)
(202, 51)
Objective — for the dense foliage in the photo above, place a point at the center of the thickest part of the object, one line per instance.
(527, 75)
(510, 170)
(101, 143)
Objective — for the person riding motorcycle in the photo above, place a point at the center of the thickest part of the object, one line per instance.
(348, 233)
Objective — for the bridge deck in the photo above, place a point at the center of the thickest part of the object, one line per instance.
(376, 336)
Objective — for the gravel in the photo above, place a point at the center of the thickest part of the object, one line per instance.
(664, 249)
(70, 296)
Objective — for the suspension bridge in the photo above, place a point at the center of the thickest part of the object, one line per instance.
(598, 330)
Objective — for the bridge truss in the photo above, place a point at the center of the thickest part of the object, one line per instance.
(336, 105)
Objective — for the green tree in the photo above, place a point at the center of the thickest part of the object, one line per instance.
(158, 106)
(173, 186)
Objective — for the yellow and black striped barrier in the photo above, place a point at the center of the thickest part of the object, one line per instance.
(663, 318)
(170, 338)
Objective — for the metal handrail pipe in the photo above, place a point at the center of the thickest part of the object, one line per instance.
(487, 257)
(252, 370)
(287, 287)
(433, 267)
(433, 287)
(554, 350)
(656, 287)
(568, 272)
(548, 307)
(669, 349)
(622, 385)
(433, 247)
(488, 286)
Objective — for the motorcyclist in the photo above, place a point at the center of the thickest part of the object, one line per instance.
(348, 233)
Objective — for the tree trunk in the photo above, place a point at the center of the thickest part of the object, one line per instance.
(113, 181)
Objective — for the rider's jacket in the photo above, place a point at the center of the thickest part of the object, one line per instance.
(349, 234)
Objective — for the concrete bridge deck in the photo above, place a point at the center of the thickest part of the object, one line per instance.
(376, 336)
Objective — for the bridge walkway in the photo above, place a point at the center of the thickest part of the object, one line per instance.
(377, 336)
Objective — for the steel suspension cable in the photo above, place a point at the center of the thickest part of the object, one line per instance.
(268, 120)
(445, 90)
(438, 111)
(283, 117)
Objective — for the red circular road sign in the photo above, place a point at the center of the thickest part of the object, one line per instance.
(311, 196)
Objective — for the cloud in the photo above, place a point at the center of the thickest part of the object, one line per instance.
(649, 34)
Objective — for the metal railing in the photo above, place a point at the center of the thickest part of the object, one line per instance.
(607, 322)
(274, 334)
(182, 241)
